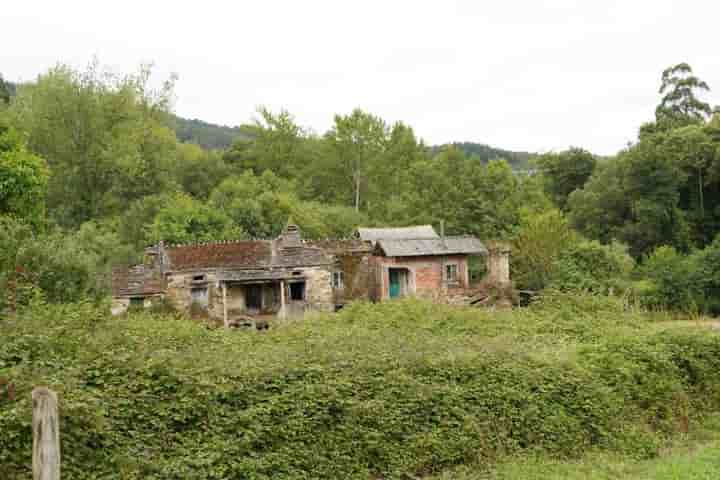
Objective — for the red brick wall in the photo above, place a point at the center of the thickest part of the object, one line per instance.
(426, 273)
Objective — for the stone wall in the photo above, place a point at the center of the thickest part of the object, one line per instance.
(498, 263)
(357, 278)
(318, 289)
(318, 293)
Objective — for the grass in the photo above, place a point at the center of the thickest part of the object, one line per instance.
(693, 457)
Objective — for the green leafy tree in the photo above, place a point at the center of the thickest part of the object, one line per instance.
(668, 281)
(4, 91)
(565, 172)
(358, 141)
(104, 136)
(272, 142)
(23, 179)
(198, 171)
(591, 266)
(540, 241)
(186, 220)
(680, 104)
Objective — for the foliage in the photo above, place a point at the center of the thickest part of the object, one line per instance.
(204, 134)
(565, 172)
(390, 391)
(186, 220)
(670, 280)
(23, 179)
(537, 246)
(484, 153)
(103, 135)
(591, 266)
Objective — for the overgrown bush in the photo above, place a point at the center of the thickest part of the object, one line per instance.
(396, 390)
(592, 267)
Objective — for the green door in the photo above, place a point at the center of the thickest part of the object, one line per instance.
(394, 283)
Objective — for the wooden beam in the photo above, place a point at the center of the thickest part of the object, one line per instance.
(46, 435)
(225, 315)
(281, 314)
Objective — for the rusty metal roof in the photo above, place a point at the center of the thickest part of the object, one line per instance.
(245, 254)
(415, 247)
(137, 281)
(399, 233)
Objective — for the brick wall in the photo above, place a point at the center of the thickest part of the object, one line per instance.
(425, 274)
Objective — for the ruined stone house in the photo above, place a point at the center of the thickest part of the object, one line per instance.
(289, 276)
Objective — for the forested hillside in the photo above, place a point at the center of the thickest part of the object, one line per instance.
(94, 170)
(485, 153)
(207, 135)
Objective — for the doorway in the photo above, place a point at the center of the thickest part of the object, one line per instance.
(253, 297)
(398, 282)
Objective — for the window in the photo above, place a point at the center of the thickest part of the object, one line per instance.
(199, 278)
(337, 280)
(297, 291)
(137, 302)
(451, 273)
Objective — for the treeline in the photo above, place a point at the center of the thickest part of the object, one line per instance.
(92, 171)
(659, 199)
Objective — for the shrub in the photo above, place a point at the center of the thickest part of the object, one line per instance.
(669, 280)
(592, 267)
(396, 390)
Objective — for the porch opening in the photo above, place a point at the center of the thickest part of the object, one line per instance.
(297, 291)
(253, 297)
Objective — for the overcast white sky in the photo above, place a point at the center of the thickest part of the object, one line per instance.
(519, 74)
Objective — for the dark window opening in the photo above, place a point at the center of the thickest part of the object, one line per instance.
(451, 273)
(137, 302)
(198, 278)
(297, 291)
(297, 273)
(337, 280)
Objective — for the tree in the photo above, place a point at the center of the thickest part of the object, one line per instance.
(272, 142)
(358, 141)
(4, 91)
(105, 137)
(680, 104)
(198, 171)
(23, 179)
(537, 246)
(186, 220)
(565, 172)
(680, 101)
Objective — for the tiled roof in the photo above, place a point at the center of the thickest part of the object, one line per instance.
(418, 232)
(339, 247)
(243, 254)
(239, 254)
(415, 247)
(137, 281)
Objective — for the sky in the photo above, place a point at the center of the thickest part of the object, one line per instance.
(526, 75)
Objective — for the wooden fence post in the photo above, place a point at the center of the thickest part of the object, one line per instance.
(46, 435)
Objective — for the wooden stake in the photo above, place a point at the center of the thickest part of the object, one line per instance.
(46, 435)
(225, 315)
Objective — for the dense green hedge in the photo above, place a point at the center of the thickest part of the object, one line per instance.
(377, 391)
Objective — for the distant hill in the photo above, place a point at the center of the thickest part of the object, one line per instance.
(7, 89)
(485, 153)
(211, 135)
(208, 135)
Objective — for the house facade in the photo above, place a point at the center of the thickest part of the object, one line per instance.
(288, 276)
